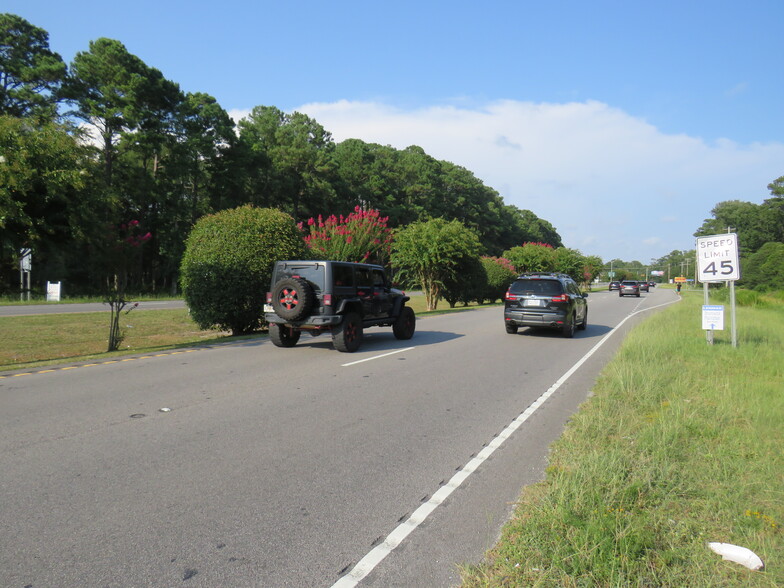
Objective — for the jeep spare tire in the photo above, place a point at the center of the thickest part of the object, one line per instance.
(292, 298)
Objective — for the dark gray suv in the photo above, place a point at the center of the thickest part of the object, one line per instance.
(545, 300)
(336, 297)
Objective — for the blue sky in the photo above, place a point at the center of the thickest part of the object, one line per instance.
(621, 123)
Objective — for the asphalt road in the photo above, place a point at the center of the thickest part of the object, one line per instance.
(288, 467)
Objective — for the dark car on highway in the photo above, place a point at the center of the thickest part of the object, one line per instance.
(644, 286)
(629, 288)
(614, 286)
(545, 300)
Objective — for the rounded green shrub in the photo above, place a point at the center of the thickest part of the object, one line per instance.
(228, 261)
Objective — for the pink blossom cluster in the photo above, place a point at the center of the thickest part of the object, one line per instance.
(503, 262)
(538, 244)
(361, 236)
(128, 237)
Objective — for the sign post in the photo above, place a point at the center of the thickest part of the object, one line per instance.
(25, 267)
(718, 261)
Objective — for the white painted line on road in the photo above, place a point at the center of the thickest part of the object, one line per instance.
(376, 555)
(377, 356)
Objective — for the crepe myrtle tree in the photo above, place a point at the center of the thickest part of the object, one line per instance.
(362, 236)
(228, 261)
(428, 254)
(119, 255)
(531, 257)
(500, 273)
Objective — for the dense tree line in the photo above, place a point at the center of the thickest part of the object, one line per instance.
(107, 140)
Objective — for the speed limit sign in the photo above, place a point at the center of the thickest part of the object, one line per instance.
(717, 258)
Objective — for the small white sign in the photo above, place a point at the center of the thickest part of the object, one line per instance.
(25, 259)
(712, 317)
(717, 258)
(53, 291)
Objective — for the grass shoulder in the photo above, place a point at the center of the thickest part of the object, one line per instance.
(680, 445)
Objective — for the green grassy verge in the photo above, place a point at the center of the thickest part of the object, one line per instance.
(40, 340)
(681, 444)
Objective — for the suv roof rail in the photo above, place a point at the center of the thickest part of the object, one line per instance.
(548, 274)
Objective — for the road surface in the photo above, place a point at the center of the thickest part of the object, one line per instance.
(249, 465)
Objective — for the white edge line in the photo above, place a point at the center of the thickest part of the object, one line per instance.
(376, 555)
(377, 356)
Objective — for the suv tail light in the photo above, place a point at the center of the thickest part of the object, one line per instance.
(327, 299)
(269, 297)
(509, 296)
(561, 298)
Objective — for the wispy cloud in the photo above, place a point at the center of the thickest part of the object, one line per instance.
(612, 184)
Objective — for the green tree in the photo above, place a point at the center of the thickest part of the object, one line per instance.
(227, 265)
(531, 257)
(764, 269)
(744, 218)
(500, 273)
(30, 73)
(44, 204)
(291, 161)
(570, 262)
(592, 268)
(426, 254)
(468, 283)
(116, 93)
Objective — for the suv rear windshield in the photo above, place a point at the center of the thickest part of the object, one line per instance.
(312, 272)
(536, 287)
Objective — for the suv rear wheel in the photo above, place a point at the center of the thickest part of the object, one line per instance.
(283, 336)
(292, 298)
(347, 336)
(405, 324)
(568, 328)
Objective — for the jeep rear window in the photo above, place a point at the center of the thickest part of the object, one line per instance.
(536, 287)
(313, 273)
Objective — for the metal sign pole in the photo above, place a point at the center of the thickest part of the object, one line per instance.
(706, 302)
(732, 314)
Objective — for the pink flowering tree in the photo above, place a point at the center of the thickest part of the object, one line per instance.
(500, 273)
(362, 236)
(120, 252)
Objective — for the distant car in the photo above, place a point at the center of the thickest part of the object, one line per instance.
(629, 288)
(614, 286)
(652, 284)
(644, 286)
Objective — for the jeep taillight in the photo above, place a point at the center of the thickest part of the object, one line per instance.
(561, 298)
(327, 299)
(269, 297)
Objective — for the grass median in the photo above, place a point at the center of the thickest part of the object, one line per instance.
(681, 444)
(40, 340)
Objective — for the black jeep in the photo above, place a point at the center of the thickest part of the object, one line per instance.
(335, 296)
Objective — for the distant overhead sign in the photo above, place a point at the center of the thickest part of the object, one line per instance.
(717, 258)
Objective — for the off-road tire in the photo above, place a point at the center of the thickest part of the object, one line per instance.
(347, 336)
(405, 324)
(292, 298)
(283, 336)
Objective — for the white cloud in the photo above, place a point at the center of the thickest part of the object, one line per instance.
(613, 185)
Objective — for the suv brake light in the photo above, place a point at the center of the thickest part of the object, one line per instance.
(561, 298)
(509, 296)
(269, 297)
(327, 299)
